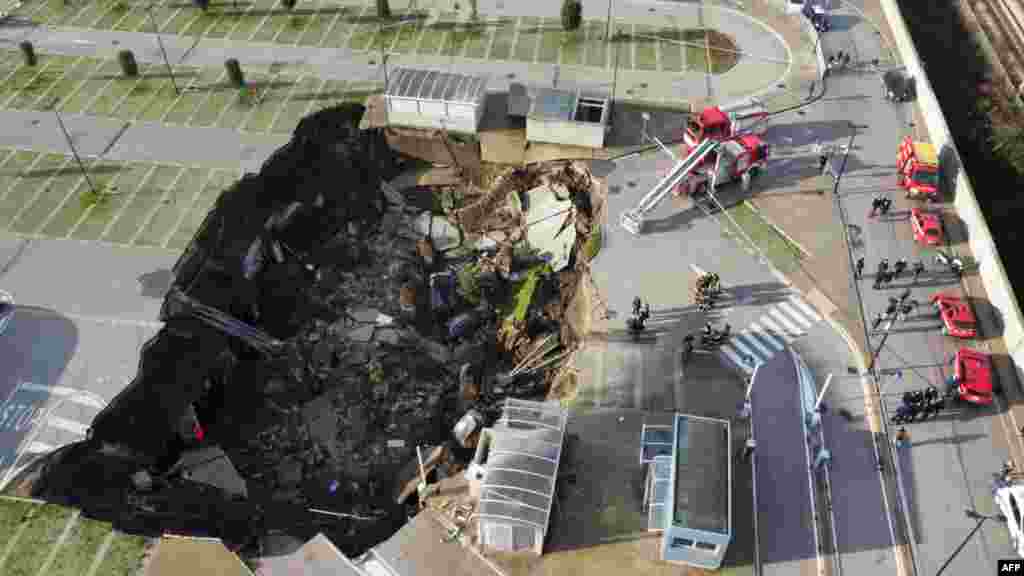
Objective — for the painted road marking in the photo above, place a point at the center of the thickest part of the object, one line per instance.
(188, 209)
(66, 425)
(795, 315)
(768, 336)
(806, 309)
(84, 397)
(753, 340)
(779, 317)
(779, 332)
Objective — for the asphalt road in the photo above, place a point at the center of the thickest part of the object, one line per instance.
(82, 316)
(950, 464)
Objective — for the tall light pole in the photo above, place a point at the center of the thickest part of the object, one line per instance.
(981, 520)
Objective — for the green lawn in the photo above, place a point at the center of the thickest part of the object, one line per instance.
(293, 28)
(67, 85)
(550, 41)
(696, 56)
(48, 197)
(218, 181)
(200, 88)
(222, 25)
(274, 24)
(124, 556)
(646, 48)
(137, 20)
(80, 548)
(140, 93)
(99, 78)
(362, 36)
(100, 173)
(246, 23)
(44, 526)
(92, 12)
(317, 27)
(298, 101)
(503, 38)
(671, 52)
(597, 48)
(529, 38)
(783, 255)
(573, 44)
(102, 214)
(38, 85)
(11, 515)
(15, 163)
(271, 98)
(169, 211)
(337, 36)
(117, 90)
(140, 204)
(164, 97)
(178, 22)
(116, 11)
(24, 190)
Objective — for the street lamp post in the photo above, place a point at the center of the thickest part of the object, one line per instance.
(981, 520)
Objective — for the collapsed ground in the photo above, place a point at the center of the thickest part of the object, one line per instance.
(322, 325)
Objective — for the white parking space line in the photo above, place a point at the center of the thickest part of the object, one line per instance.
(753, 341)
(84, 397)
(71, 193)
(21, 176)
(38, 102)
(67, 425)
(800, 318)
(805, 308)
(40, 188)
(156, 207)
(779, 317)
(111, 185)
(188, 209)
(128, 201)
(779, 332)
(36, 447)
(264, 21)
(768, 336)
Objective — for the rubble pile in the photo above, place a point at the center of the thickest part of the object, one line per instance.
(321, 326)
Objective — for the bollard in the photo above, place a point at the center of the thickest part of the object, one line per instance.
(235, 75)
(201, 4)
(288, 4)
(28, 52)
(129, 67)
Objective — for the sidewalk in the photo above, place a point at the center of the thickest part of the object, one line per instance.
(138, 142)
(767, 64)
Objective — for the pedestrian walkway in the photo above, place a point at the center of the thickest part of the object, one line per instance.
(766, 63)
(762, 340)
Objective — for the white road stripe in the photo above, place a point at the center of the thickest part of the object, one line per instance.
(39, 448)
(752, 339)
(67, 425)
(803, 306)
(781, 319)
(768, 336)
(83, 397)
(779, 332)
(728, 351)
(737, 343)
(796, 315)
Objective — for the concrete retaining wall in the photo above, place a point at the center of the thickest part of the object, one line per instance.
(992, 271)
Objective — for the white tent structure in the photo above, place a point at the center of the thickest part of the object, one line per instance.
(437, 100)
(519, 458)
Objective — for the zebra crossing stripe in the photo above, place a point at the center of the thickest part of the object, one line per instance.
(768, 336)
(778, 316)
(779, 332)
(739, 345)
(39, 448)
(728, 351)
(73, 395)
(795, 315)
(752, 339)
(806, 309)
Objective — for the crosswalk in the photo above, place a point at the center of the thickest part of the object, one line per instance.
(763, 339)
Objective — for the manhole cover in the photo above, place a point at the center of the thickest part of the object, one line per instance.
(510, 75)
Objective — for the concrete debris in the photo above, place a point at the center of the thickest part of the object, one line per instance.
(369, 304)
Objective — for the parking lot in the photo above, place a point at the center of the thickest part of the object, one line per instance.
(139, 204)
(275, 102)
(354, 25)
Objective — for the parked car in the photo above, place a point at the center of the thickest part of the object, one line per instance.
(1010, 498)
(957, 317)
(972, 377)
(927, 227)
(6, 310)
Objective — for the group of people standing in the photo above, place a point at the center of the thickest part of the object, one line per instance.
(884, 275)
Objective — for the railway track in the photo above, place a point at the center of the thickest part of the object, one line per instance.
(1001, 22)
